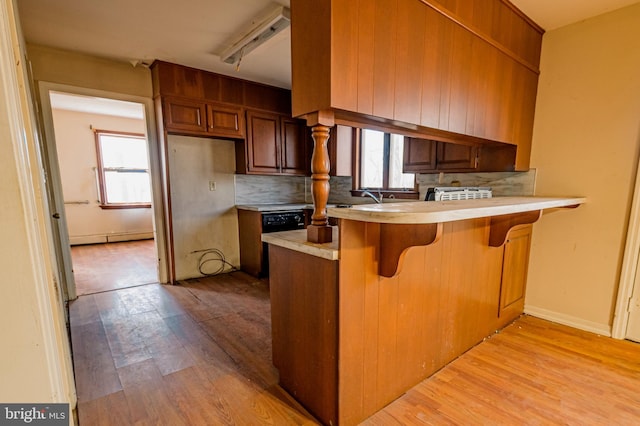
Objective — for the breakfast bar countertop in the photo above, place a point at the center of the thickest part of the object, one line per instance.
(297, 240)
(422, 212)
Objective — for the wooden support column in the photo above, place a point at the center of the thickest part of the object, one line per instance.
(319, 230)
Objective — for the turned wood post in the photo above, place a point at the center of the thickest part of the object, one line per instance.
(319, 231)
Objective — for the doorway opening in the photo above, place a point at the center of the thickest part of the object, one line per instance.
(103, 167)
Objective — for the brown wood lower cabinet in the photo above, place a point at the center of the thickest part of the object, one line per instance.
(515, 265)
(347, 341)
(251, 248)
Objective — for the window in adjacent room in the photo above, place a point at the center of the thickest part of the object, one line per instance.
(380, 171)
(123, 170)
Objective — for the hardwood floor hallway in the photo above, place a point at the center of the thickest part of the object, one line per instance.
(110, 266)
(200, 354)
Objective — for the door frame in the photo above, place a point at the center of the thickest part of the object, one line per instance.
(55, 183)
(630, 264)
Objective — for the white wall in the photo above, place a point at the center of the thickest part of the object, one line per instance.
(202, 219)
(35, 362)
(586, 142)
(75, 144)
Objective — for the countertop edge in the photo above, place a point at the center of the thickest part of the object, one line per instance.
(422, 212)
(297, 241)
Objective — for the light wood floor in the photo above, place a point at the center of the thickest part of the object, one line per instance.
(200, 354)
(103, 267)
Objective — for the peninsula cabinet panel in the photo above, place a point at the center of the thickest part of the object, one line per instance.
(410, 40)
(501, 22)
(385, 30)
(437, 47)
(394, 332)
(461, 75)
(304, 324)
(462, 68)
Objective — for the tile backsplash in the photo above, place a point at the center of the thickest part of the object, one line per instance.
(503, 184)
(253, 189)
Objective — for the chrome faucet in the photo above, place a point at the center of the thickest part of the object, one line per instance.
(366, 192)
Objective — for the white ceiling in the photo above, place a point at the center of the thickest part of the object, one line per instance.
(93, 105)
(194, 32)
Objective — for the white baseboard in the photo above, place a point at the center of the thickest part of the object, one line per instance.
(571, 321)
(87, 239)
(129, 237)
(112, 238)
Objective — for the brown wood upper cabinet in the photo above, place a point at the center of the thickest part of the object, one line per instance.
(201, 103)
(463, 71)
(276, 144)
(426, 156)
(207, 118)
(341, 141)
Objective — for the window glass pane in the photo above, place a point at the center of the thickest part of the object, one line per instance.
(122, 151)
(372, 159)
(127, 187)
(397, 179)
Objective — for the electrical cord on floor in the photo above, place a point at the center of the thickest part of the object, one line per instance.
(211, 256)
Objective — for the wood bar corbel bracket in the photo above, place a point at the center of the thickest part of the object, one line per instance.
(395, 239)
(501, 225)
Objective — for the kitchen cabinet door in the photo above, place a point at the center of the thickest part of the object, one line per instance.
(341, 141)
(514, 274)
(225, 120)
(452, 156)
(293, 146)
(184, 115)
(263, 142)
(428, 156)
(419, 155)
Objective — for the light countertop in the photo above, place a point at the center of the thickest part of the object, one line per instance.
(416, 213)
(278, 207)
(274, 207)
(297, 240)
(449, 211)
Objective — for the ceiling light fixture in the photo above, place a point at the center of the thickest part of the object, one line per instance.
(262, 29)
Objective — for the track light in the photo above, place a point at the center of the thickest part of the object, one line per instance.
(263, 28)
